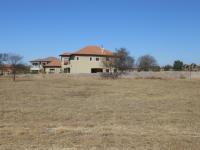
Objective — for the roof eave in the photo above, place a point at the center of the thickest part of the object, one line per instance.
(40, 61)
(92, 54)
(64, 55)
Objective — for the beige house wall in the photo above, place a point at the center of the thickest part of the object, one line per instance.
(63, 59)
(83, 64)
(50, 69)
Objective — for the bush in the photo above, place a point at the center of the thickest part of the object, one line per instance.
(154, 78)
(168, 68)
(106, 75)
(156, 68)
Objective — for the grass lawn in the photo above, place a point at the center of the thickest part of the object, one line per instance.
(90, 113)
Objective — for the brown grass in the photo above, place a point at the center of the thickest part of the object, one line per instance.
(89, 113)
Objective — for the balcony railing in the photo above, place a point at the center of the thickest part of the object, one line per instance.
(36, 67)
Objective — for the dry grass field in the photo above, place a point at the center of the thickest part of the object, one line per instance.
(90, 113)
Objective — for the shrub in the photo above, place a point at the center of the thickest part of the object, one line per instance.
(168, 68)
(156, 68)
(114, 75)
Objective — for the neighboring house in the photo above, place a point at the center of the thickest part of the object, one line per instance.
(5, 69)
(46, 65)
(53, 67)
(87, 60)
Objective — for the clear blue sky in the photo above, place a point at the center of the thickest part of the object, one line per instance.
(166, 29)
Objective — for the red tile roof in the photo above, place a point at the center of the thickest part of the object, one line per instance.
(90, 50)
(66, 54)
(54, 63)
(93, 50)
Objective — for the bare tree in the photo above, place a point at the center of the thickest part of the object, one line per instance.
(120, 61)
(123, 60)
(109, 63)
(146, 62)
(14, 60)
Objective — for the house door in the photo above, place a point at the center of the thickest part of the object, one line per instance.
(96, 70)
(67, 70)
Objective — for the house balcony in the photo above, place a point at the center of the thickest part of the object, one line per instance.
(36, 68)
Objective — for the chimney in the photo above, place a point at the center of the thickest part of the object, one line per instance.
(102, 49)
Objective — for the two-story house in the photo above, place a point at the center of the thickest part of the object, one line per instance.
(89, 59)
(46, 65)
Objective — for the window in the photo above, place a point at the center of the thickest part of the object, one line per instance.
(52, 70)
(96, 70)
(107, 58)
(35, 64)
(67, 70)
(72, 58)
(97, 59)
(107, 70)
(90, 58)
(77, 58)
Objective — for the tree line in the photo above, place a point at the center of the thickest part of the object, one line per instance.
(123, 62)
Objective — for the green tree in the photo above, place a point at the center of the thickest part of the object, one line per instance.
(168, 67)
(178, 65)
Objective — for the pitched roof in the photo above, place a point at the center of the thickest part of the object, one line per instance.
(54, 63)
(93, 50)
(65, 54)
(90, 50)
